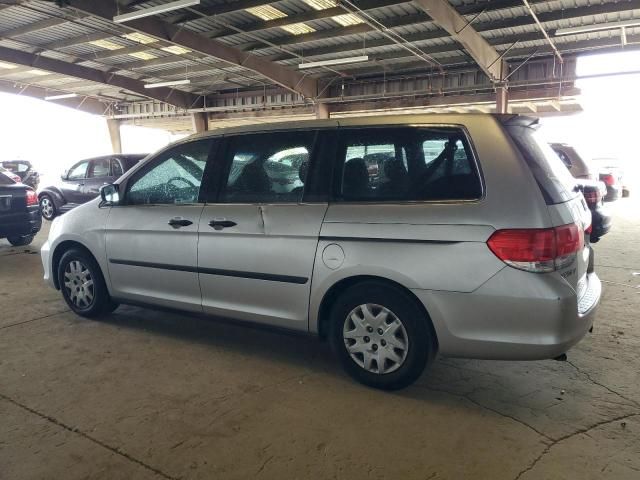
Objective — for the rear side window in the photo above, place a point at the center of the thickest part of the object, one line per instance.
(267, 168)
(406, 164)
(556, 183)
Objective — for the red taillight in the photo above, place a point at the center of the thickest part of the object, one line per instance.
(537, 249)
(32, 198)
(608, 179)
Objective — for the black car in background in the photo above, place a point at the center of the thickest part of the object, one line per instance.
(594, 192)
(23, 169)
(82, 182)
(19, 212)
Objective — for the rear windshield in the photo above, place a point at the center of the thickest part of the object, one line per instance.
(555, 181)
(4, 180)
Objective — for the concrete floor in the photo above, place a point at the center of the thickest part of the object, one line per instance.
(150, 395)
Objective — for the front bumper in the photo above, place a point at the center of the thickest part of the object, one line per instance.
(516, 315)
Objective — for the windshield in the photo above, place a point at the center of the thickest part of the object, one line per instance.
(554, 179)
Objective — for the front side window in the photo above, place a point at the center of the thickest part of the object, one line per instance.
(410, 164)
(174, 178)
(267, 168)
(78, 171)
(99, 168)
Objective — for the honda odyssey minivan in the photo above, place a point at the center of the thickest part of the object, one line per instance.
(468, 240)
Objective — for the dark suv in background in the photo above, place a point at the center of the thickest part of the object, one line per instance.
(82, 182)
(23, 169)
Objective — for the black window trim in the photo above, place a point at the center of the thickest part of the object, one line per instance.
(336, 170)
(153, 162)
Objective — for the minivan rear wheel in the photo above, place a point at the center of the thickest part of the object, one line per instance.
(82, 284)
(381, 335)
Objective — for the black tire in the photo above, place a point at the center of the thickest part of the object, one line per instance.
(100, 303)
(21, 241)
(421, 341)
(48, 208)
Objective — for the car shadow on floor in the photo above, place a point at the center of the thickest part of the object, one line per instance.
(456, 376)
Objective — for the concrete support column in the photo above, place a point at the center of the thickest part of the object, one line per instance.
(502, 99)
(114, 133)
(200, 122)
(322, 111)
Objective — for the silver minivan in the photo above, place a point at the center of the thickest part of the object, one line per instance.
(394, 237)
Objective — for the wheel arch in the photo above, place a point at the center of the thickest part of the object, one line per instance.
(332, 294)
(60, 250)
(55, 194)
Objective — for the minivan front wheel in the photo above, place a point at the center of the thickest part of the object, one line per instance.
(381, 335)
(82, 284)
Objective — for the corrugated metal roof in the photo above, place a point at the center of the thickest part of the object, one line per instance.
(329, 38)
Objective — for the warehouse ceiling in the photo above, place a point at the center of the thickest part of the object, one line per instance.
(245, 54)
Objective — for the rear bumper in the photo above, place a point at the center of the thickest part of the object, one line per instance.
(601, 222)
(20, 225)
(514, 316)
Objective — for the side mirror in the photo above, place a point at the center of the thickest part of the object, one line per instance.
(64, 175)
(109, 195)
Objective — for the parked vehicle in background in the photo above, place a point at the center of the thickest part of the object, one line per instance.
(9, 174)
(606, 170)
(24, 170)
(594, 192)
(19, 212)
(612, 174)
(82, 182)
(576, 165)
(472, 245)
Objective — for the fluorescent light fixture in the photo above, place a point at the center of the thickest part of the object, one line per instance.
(176, 50)
(334, 61)
(143, 55)
(8, 66)
(168, 84)
(106, 44)
(347, 19)
(298, 28)
(266, 12)
(139, 37)
(596, 27)
(147, 12)
(61, 97)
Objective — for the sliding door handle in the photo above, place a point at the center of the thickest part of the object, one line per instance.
(221, 223)
(178, 222)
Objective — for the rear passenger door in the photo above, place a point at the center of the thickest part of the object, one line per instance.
(259, 233)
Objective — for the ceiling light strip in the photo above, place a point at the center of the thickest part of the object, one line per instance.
(597, 27)
(61, 97)
(168, 84)
(334, 61)
(148, 12)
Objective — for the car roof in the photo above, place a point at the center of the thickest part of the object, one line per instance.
(379, 120)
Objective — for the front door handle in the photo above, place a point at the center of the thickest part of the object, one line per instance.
(221, 223)
(178, 222)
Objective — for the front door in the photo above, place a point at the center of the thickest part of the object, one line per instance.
(152, 237)
(99, 174)
(258, 239)
(73, 184)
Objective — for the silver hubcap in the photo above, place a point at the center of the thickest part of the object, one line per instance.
(375, 338)
(79, 284)
(47, 207)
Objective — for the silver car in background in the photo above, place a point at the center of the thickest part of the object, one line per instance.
(399, 237)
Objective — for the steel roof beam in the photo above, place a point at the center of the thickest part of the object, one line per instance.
(461, 30)
(167, 95)
(283, 76)
(85, 104)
